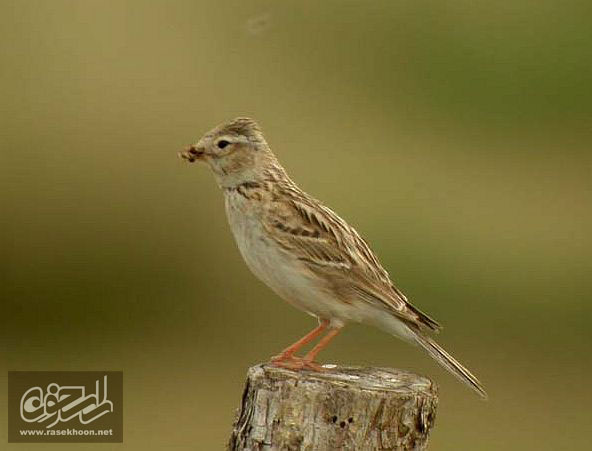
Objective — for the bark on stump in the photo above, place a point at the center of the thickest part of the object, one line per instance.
(343, 408)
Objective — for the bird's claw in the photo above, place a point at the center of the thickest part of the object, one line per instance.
(295, 363)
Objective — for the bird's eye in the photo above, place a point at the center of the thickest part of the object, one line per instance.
(222, 143)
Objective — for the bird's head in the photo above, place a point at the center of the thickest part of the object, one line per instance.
(236, 151)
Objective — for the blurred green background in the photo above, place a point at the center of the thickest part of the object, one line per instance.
(456, 137)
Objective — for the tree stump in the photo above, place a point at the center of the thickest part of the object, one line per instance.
(342, 408)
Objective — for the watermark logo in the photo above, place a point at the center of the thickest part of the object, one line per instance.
(61, 404)
(65, 406)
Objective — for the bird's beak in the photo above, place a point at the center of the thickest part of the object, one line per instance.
(192, 153)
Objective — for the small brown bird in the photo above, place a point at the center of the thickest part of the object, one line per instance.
(305, 252)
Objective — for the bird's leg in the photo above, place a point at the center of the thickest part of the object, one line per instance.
(323, 342)
(288, 353)
(307, 362)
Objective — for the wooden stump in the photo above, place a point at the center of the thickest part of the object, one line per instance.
(343, 408)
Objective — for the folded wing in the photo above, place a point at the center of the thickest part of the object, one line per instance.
(327, 244)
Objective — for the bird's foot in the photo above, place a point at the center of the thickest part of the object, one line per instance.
(292, 362)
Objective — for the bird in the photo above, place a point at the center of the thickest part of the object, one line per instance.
(306, 253)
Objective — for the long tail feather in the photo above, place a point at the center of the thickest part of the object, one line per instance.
(449, 362)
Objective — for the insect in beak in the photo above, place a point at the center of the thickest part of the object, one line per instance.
(191, 154)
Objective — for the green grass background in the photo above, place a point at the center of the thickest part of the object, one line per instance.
(455, 136)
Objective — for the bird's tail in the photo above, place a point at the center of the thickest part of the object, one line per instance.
(448, 362)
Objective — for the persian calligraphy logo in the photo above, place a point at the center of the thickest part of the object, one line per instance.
(65, 406)
(62, 403)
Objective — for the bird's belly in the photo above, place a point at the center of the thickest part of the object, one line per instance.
(285, 275)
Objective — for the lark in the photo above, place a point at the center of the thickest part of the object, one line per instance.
(306, 253)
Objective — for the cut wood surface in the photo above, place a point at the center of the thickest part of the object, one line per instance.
(341, 408)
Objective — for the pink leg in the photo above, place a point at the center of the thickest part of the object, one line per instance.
(287, 353)
(310, 357)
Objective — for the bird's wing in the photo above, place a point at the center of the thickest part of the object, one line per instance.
(325, 243)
